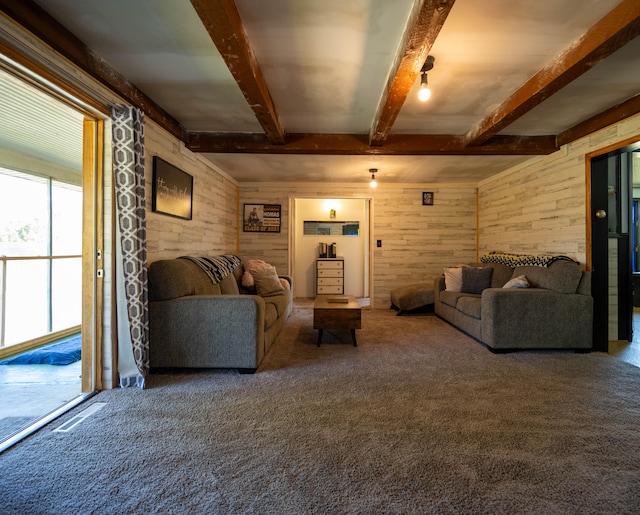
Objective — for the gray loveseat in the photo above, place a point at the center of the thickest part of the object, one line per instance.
(555, 312)
(196, 323)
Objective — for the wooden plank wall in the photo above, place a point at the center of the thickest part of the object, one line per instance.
(540, 206)
(537, 207)
(417, 241)
(212, 230)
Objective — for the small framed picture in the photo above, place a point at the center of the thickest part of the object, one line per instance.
(427, 198)
(261, 218)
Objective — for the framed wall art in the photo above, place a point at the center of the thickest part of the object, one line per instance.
(172, 191)
(261, 218)
(427, 198)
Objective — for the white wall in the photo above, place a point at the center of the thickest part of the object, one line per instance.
(352, 248)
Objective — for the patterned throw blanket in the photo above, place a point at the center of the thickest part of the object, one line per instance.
(514, 260)
(217, 267)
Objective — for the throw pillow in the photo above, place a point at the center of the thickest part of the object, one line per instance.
(255, 265)
(517, 282)
(453, 279)
(267, 281)
(285, 284)
(247, 280)
(251, 267)
(474, 280)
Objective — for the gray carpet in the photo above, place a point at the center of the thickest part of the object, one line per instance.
(418, 418)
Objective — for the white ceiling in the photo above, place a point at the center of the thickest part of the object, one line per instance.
(38, 134)
(326, 63)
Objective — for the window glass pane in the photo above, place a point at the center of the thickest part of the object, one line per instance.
(27, 312)
(329, 228)
(67, 219)
(66, 292)
(36, 302)
(24, 215)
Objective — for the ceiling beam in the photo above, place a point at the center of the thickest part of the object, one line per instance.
(612, 32)
(42, 25)
(223, 23)
(608, 117)
(422, 30)
(357, 144)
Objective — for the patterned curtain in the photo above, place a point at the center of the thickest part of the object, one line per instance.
(131, 246)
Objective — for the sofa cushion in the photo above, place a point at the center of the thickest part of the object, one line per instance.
(450, 298)
(237, 273)
(229, 285)
(501, 273)
(470, 305)
(474, 280)
(453, 279)
(173, 278)
(267, 281)
(561, 276)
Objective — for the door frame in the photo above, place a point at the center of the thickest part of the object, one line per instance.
(600, 296)
(368, 244)
(15, 62)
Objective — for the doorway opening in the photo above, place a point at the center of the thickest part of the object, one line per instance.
(344, 222)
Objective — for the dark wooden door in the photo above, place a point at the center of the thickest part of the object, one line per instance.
(600, 252)
(611, 248)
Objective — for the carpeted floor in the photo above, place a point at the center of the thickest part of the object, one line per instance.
(418, 418)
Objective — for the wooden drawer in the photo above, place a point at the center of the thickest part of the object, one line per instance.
(329, 290)
(330, 272)
(337, 319)
(327, 281)
(330, 264)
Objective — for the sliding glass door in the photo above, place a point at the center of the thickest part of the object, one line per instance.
(51, 233)
(41, 249)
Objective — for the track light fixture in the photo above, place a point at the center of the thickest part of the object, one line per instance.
(373, 172)
(425, 93)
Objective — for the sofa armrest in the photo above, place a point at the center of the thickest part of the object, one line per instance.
(438, 287)
(202, 331)
(515, 318)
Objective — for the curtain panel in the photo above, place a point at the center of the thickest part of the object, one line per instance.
(132, 303)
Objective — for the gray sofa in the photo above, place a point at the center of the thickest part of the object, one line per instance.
(194, 323)
(556, 312)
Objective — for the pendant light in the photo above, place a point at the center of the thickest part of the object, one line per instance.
(373, 172)
(425, 93)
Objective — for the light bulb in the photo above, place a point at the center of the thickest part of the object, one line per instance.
(425, 93)
(373, 182)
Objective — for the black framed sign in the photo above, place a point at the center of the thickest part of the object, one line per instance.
(172, 190)
(261, 218)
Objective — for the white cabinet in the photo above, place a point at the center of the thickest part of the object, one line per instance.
(330, 276)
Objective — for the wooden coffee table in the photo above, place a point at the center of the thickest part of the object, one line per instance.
(328, 314)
